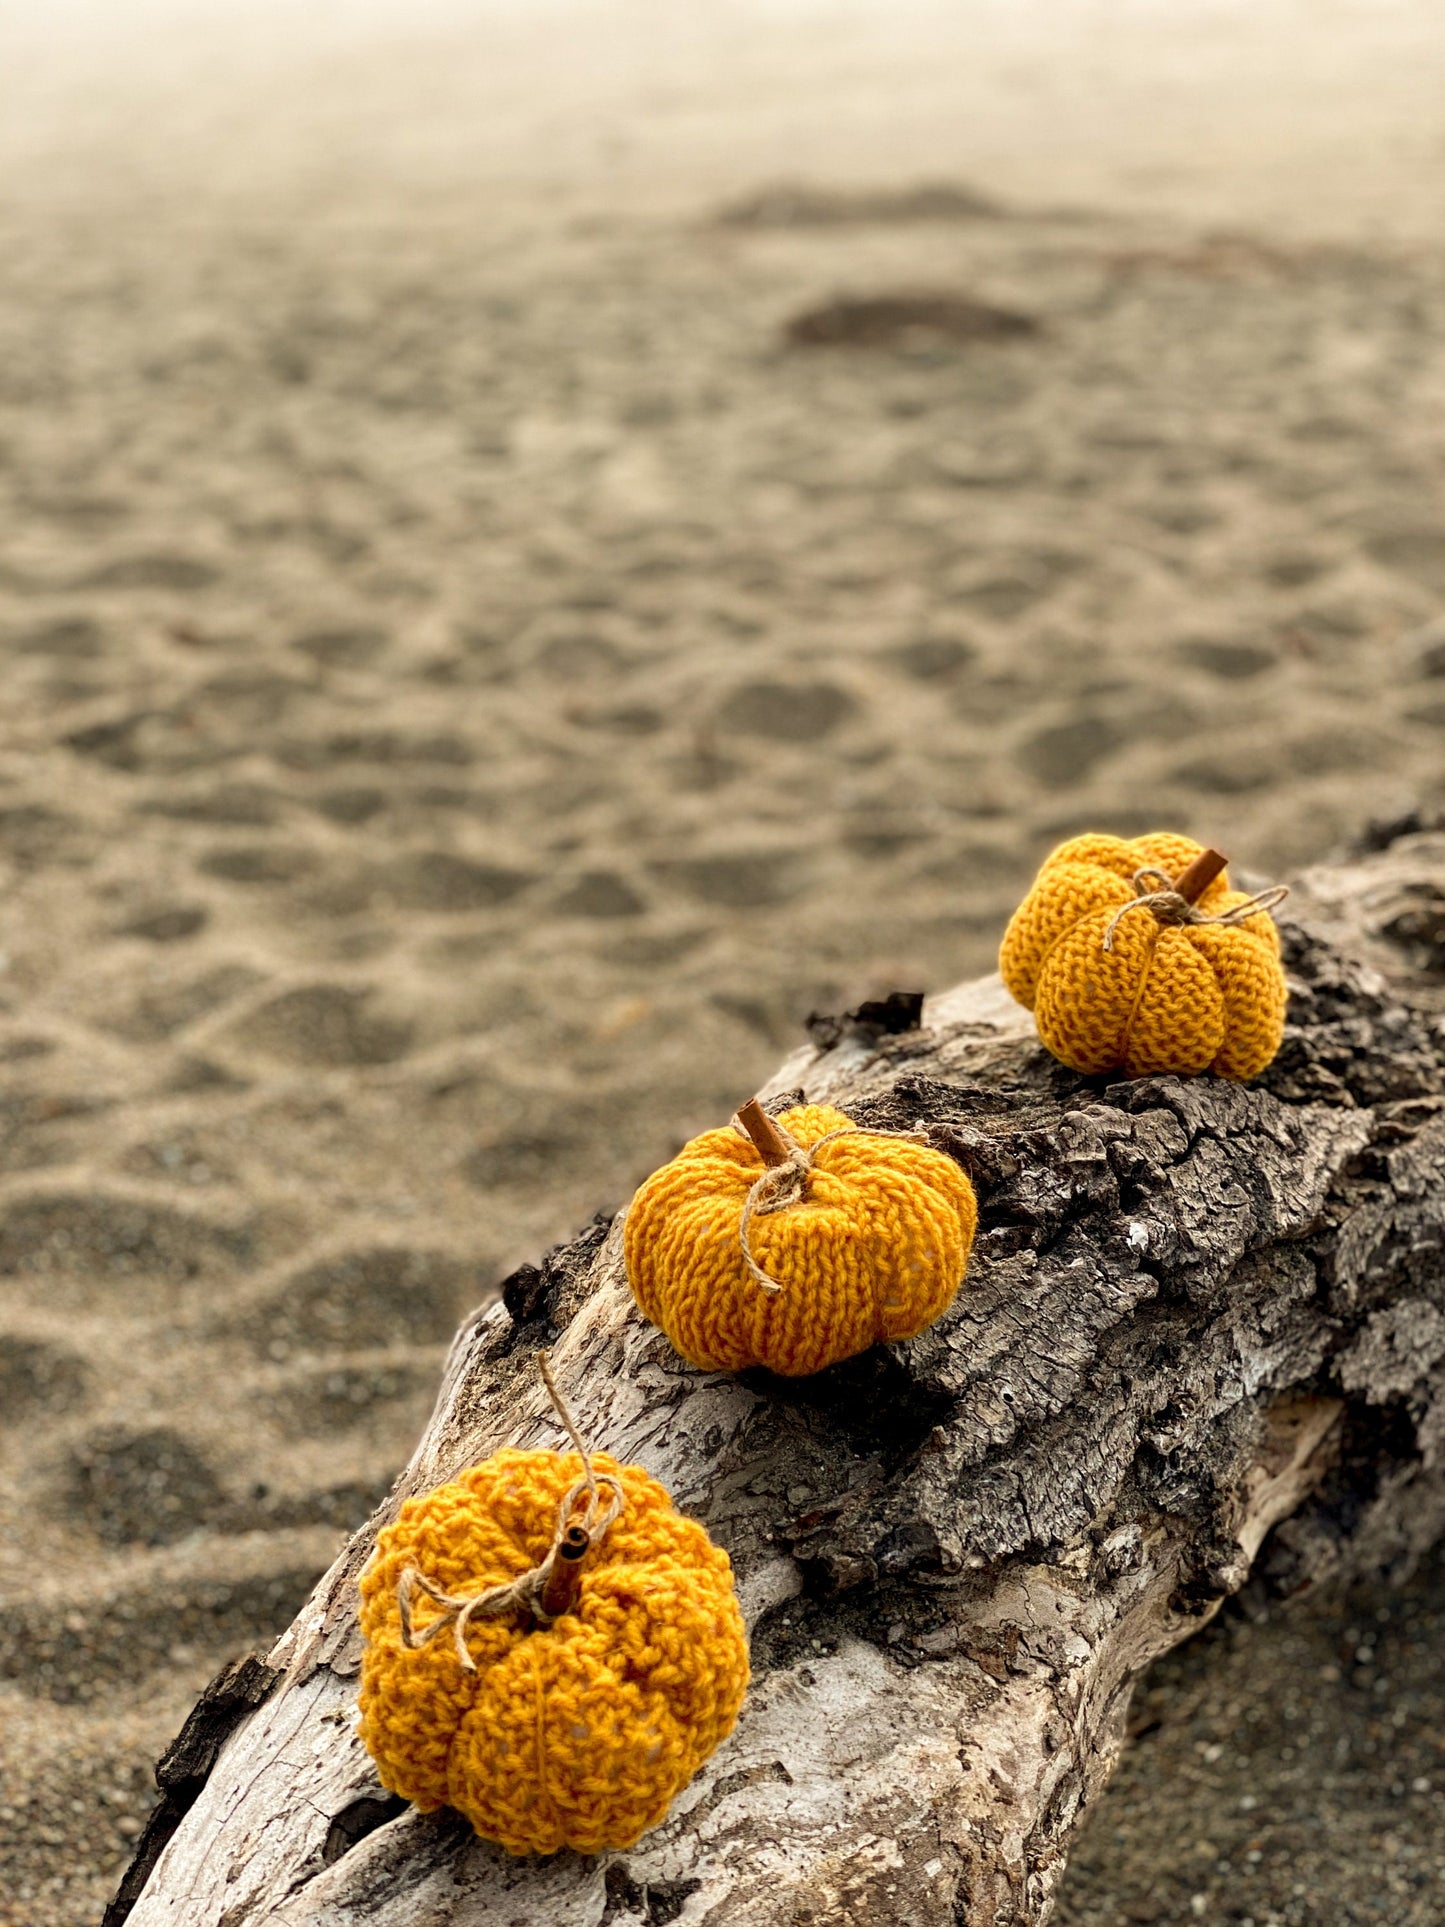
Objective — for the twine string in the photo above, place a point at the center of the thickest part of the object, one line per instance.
(524, 1593)
(779, 1185)
(1154, 890)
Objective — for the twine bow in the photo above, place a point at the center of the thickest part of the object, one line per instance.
(779, 1185)
(538, 1591)
(1170, 907)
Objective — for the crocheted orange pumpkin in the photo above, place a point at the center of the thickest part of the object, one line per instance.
(1137, 956)
(802, 1243)
(574, 1730)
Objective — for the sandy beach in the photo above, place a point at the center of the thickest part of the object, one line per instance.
(537, 547)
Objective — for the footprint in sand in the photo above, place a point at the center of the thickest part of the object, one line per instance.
(32, 1132)
(330, 1025)
(245, 805)
(1067, 752)
(66, 639)
(384, 1296)
(599, 893)
(388, 746)
(126, 1634)
(342, 648)
(568, 659)
(1230, 661)
(351, 805)
(437, 881)
(258, 863)
(739, 879)
(184, 573)
(152, 1487)
(251, 699)
(781, 712)
(933, 658)
(166, 923)
(320, 1400)
(94, 1233)
(157, 740)
(138, 1488)
(1234, 771)
(161, 1013)
(38, 1379)
(33, 836)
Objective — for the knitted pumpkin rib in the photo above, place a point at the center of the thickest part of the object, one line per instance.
(925, 1230)
(1177, 1022)
(1086, 995)
(1252, 986)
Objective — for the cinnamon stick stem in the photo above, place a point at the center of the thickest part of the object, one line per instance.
(564, 1581)
(1196, 877)
(772, 1146)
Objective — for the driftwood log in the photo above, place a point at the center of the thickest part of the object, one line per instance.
(1201, 1345)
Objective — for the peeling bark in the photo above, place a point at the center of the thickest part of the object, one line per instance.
(1201, 1345)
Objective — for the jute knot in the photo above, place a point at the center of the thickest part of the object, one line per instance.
(574, 1538)
(778, 1186)
(1154, 890)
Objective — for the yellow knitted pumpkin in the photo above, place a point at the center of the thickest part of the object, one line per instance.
(576, 1733)
(801, 1249)
(1137, 956)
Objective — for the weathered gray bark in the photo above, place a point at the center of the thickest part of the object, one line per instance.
(1202, 1343)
